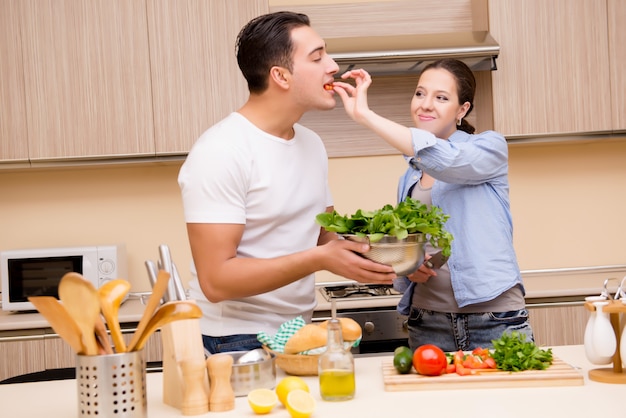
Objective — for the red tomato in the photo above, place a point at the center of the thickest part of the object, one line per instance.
(474, 362)
(482, 352)
(430, 360)
(490, 363)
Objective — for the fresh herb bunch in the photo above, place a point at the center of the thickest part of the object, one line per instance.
(407, 217)
(513, 353)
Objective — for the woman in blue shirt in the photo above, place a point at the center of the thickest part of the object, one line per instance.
(478, 294)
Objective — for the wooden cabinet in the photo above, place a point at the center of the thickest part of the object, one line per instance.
(29, 351)
(111, 79)
(194, 72)
(556, 324)
(87, 83)
(21, 354)
(13, 133)
(389, 95)
(553, 70)
(616, 11)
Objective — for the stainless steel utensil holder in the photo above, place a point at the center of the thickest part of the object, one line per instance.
(112, 385)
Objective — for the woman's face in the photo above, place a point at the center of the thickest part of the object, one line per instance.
(435, 105)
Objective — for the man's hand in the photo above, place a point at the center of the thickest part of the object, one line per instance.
(341, 258)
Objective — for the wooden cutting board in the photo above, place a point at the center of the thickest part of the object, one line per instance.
(558, 374)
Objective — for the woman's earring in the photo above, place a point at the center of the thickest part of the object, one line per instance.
(459, 122)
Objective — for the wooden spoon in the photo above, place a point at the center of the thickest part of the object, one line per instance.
(60, 320)
(168, 312)
(158, 290)
(111, 295)
(80, 298)
(102, 338)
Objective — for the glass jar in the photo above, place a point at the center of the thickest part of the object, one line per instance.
(336, 367)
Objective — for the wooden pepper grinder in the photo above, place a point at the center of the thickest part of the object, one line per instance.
(221, 394)
(195, 399)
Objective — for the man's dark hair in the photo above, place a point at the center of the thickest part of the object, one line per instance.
(265, 42)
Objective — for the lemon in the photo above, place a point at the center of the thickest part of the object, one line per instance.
(262, 401)
(288, 384)
(300, 403)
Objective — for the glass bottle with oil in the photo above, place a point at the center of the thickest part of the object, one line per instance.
(336, 366)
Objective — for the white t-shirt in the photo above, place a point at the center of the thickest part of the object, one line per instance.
(237, 173)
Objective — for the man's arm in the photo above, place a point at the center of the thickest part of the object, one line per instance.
(223, 275)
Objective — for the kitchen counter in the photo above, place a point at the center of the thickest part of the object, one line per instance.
(130, 312)
(58, 398)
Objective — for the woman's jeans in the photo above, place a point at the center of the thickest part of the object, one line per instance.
(453, 332)
(238, 342)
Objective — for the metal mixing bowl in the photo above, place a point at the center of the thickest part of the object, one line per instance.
(255, 375)
(403, 255)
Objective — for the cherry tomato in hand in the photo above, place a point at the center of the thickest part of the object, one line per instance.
(430, 360)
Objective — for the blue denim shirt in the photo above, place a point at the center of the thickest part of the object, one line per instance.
(472, 187)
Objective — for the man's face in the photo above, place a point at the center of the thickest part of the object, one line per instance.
(312, 69)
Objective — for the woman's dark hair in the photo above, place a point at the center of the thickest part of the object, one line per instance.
(265, 42)
(465, 85)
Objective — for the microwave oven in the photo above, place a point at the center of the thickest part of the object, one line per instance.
(38, 271)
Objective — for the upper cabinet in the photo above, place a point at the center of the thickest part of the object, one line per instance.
(194, 72)
(114, 79)
(617, 60)
(555, 72)
(87, 78)
(13, 134)
(389, 96)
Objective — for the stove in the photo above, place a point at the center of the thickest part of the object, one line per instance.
(373, 307)
(358, 290)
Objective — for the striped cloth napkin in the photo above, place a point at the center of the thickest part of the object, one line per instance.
(285, 331)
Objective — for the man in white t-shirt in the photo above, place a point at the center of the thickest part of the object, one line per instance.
(252, 186)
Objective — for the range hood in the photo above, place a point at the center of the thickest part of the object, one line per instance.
(408, 54)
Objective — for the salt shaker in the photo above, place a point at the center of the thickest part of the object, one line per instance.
(221, 394)
(195, 399)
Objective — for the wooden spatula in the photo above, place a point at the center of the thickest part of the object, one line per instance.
(60, 321)
(168, 312)
(158, 290)
(111, 295)
(80, 298)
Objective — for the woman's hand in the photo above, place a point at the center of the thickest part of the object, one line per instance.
(423, 273)
(355, 102)
(354, 97)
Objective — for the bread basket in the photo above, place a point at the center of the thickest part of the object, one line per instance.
(296, 364)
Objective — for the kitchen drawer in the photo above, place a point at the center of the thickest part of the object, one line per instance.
(21, 354)
(30, 351)
(558, 324)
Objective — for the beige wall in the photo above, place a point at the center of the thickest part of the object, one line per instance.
(568, 205)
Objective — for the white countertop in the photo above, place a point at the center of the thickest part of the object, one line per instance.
(130, 311)
(57, 399)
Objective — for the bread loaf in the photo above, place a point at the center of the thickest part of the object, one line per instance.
(308, 337)
(350, 329)
(313, 336)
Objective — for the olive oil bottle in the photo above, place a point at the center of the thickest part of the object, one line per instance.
(336, 367)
